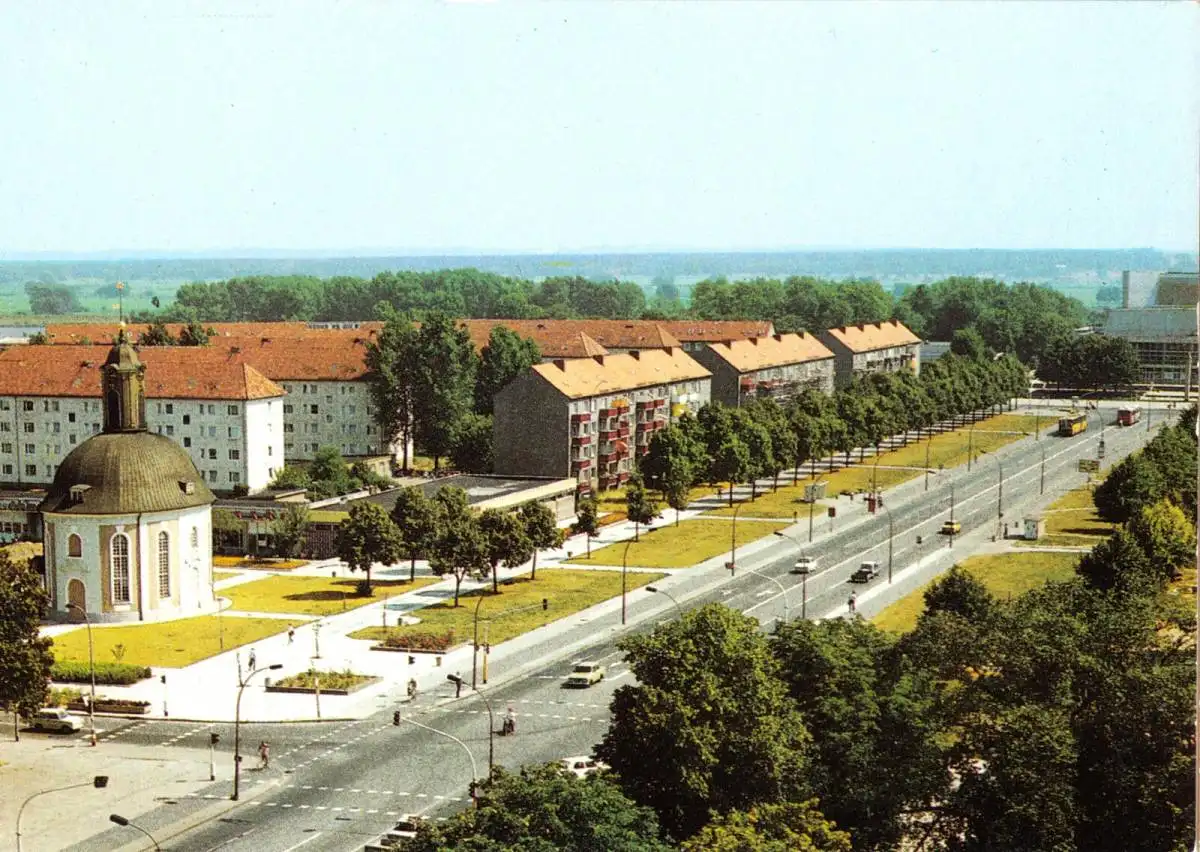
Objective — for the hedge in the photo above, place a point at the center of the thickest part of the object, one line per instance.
(418, 641)
(110, 674)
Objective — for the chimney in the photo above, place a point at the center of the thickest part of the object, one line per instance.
(861, 327)
(636, 353)
(561, 363)
(726, 342)
(599, 359)
(266, 340)
(778, 338)
(843, 329)
(753, 341)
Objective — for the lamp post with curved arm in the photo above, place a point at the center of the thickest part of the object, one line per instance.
(803, 579)
(122, 821)
(98, 781)
(624, 581)
(91, 670)
(733, 534)
(237, 726)
(457, 680)
(782, 588)
(891, 538)
(658, 591)
(466, 748)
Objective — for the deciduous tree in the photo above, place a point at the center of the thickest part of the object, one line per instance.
(25, 657)
(289, 530)
(785, 827)
(541, 530)
(504, 540)
(459, 548)
(367, 536)
(416, 516)
(587, 520)
(506, 356)
(640, 507)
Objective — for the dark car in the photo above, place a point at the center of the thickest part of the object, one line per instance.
(865, 573)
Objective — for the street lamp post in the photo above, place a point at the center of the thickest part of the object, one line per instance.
(91, 670)
(466, 748)
(475, 638)
(123, 822)
(98, 781)
(658, 591)
(891, 539)
(237, 727)
(1042, 482)
(733, 536)
(928, 444)
(971, 445)
(803, 579)
(457, 680)
(624, 582)
(782, 588)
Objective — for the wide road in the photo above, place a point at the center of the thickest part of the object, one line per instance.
(336, 787)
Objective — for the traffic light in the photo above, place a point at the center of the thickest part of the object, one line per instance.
(545, 603)
(213, 739)
(100, 782)
(396, 718)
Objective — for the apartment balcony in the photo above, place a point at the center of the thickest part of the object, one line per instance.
(580, 464)
(623, 431)
(585, 417)
(581, 440)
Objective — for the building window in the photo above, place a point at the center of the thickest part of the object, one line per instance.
(5, 427)
(31, 470)
(27, 405)
(234, 476)
(8, 469)
(235, 455)
(287, 409)
(195, 542)
(119, 554)
(74, 545)
(71, 417)
(164, 565)
(28, 427)
(234, 432)
(233, 409)
(314, 409)
(270, 450)
(170, 408)
(6, 448)
(187, 419)
(55, 427)
(212, 476)
(212, 454)
(187, 442)
(31, 449)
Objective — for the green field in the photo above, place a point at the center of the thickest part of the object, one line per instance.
(171, 644)
(1072, 521)
(313, 595)
(564, 590)
(1005, 575)
(682, 546)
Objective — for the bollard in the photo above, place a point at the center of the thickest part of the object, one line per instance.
(438, 661)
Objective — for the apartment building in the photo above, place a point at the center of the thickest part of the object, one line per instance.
(779, 366)
(874, 347)
(589, 418)
(224, 413)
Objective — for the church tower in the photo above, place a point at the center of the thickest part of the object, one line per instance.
(123, 381)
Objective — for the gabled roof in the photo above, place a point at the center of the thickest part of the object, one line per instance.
(778, 350)
(99, 332)
(714, 331)
(867, 337)
(579, 378)
(171, 373)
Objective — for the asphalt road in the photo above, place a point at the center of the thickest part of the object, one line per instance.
(338, 786)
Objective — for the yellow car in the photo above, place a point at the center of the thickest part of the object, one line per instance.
(951, 528)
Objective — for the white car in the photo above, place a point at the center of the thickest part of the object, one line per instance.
(56, 719)
(582, 766)
(585, 674)
(805, 565)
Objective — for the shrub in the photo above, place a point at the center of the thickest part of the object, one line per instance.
(418, 641)
(329, 680)
(110, 674)
(61, 697)
(362, 589)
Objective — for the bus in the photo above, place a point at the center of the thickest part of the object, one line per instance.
(1072, 424)
(1128, 416)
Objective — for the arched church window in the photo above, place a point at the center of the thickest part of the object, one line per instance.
(119, 553)
(74, 545)
(164, 565)
(195, 537)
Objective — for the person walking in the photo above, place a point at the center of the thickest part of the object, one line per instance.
(264, 754)
(291, 634)
(852, 603)
(251, 660)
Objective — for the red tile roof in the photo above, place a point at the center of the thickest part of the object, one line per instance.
(870, 336)
(171, 373)
(759, 353)
(579, 378)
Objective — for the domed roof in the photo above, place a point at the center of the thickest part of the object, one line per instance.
(124, 473)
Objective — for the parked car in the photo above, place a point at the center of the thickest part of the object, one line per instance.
(582, 766)
(56, 719)
(951, 528)
(865, 573)
(805, 565)
(405, 829)
(585, 674)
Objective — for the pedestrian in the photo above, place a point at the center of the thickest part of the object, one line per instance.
(251, 660)
(852, 603)
(264, 754)
(457, 685)
(291, 634)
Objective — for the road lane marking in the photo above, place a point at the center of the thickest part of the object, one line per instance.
(308, 839)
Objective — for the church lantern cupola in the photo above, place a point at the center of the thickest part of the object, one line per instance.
(124, 388)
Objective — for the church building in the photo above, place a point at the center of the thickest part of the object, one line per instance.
(127, 523)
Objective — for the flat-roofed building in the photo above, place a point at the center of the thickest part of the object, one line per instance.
(587, 418)
(226, 414)
(779, 366)
(873, 347)
(1165, 341)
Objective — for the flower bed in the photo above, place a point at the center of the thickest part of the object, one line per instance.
(332, 683)
(416, 642)
(111, 705)
(109, 674)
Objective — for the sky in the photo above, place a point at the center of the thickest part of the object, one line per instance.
(514, 127)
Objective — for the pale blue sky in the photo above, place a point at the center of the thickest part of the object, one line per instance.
(516, 127)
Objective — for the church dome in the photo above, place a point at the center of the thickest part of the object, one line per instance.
(126, 473)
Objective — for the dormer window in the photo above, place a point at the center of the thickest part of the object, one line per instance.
(187, 487)
(77, 492)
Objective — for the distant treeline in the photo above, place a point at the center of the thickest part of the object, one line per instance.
(1021, 318)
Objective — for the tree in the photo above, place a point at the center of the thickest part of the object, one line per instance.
(640, 507)
(38, 338)
(540, 808)
(289, 530)
(670, 457)
(367, 536)
(156, 335)
(963, 594)
(471, 449)
(289, 477)
(1134, 483)
(968, 343)
(228, 529)
(1118, 561)
(504, 540)
(416, 517)
(25, 657)
(194, 334)
(1167, 536)
(329, 473)
(541, 530)
(786, 827)
(506, 356)
(760, 455)
(458, 548)
(51, 299)
(731, 463)
(443, 383)
(587, 520)
(390, 361)
(708, 725)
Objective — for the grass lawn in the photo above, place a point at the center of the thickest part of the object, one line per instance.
(171, 644)
(567, 591)
(1004, 574)
(670, 546)
(313, 595)
(260, 564)
(1072, 521)
(218, 576)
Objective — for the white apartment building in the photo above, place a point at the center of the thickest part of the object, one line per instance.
(225, 414)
